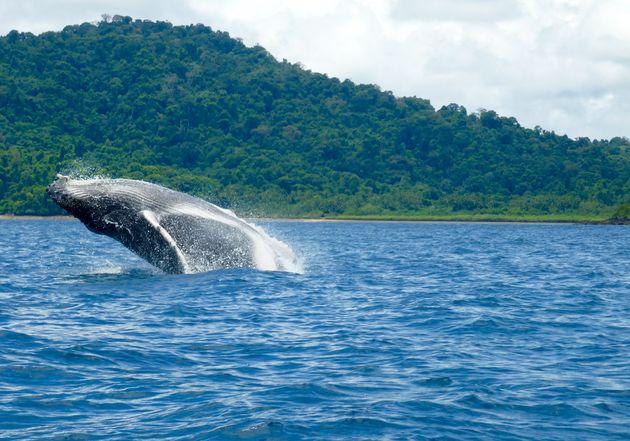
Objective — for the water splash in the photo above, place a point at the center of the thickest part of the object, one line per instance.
(108, 268)
(283, 254)
(269, 253)
(82, 169)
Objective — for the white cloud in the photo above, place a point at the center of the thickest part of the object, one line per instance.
(560, 64)
(455, 10)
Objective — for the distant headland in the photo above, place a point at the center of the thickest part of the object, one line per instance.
(198, 111)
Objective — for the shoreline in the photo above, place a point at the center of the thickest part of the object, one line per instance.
(428, 219)
(34, 217)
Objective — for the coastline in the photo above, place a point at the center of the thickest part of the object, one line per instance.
(481, 218)
(33, 217)
(547, 219)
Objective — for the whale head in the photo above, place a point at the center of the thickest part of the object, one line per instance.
(58, 192)
(89, 200)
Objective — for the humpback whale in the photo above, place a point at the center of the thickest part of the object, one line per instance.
(174, 231)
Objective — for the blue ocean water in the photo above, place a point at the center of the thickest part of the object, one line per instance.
(394, 331)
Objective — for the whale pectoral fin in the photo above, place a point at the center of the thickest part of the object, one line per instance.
(161, 249)
(142, 233)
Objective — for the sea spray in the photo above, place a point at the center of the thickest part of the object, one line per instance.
(83, 169)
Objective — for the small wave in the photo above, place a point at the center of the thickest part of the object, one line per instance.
(73, 355)
(354, 425)
(107, 269)
(264, 430)
(92, 277)
(563, 410)
(306, 392)
(33, 374)
(13, 337)
(435, 382)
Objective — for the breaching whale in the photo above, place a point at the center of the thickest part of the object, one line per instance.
(176, 232)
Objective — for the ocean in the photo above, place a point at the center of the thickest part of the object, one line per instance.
(393, 331)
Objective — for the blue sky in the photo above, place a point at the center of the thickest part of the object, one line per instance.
(560, 64)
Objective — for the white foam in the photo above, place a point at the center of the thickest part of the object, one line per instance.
(278, 252)
(107, 268)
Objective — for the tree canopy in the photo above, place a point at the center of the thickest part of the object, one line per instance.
(198, 111)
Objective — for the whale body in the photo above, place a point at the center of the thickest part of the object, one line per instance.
(176, 232)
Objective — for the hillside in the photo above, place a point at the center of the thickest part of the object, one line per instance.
(197, 110)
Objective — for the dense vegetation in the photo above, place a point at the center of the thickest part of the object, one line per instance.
(199, 111)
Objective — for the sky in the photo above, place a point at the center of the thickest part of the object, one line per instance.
(563, 65)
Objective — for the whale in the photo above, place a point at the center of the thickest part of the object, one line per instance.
(176, 232)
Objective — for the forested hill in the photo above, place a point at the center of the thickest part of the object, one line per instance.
(199, 111)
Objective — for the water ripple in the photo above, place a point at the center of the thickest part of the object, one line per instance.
(394, 331)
